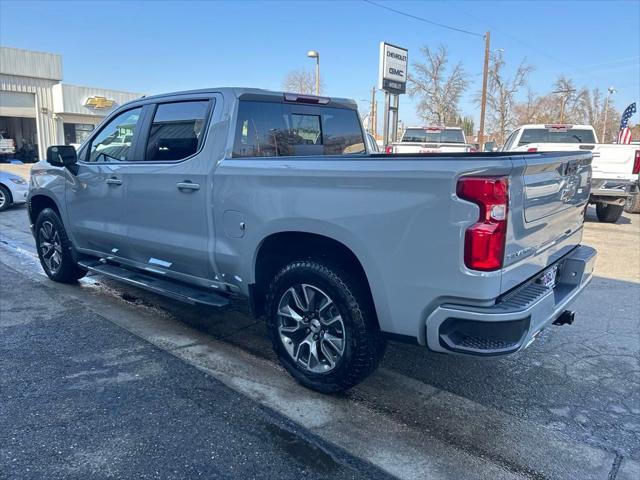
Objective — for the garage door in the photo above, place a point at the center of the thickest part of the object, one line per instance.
(17, 104)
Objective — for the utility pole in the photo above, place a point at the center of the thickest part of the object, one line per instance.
(485, 75)
(373, 120)
(610, 91)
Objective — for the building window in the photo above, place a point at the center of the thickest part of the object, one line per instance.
(76, 133)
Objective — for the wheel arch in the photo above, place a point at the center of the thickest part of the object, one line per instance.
(8, 189)
(280, 248)
(39, 202)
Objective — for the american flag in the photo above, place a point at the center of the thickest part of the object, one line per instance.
(624, 135)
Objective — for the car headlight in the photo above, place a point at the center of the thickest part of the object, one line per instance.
(18, 181)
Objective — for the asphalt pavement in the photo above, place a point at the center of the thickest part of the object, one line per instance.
(568, 407)
(83, 398)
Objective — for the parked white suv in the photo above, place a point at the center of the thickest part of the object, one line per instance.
(615, 167)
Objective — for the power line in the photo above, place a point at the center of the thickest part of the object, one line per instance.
(539, 51)
(430, 22)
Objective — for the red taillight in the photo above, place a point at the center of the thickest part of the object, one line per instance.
(532, 149)
(388, 150)
(484, 241)
(636, 163)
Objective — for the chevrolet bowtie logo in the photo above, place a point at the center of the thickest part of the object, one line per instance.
(99, 102)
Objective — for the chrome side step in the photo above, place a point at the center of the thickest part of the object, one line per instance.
(177, 290)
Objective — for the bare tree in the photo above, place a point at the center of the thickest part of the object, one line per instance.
(301, 81)
(572, 105)
(501, 93)
(438, 89)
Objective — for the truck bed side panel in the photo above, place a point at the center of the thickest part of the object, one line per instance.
(400, 217)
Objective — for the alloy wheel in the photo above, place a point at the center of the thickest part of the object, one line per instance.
(50, 246)
(3, 198)
(311, 328)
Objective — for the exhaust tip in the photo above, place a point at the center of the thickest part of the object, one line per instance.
(566, 318)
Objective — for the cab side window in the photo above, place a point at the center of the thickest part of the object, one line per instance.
(177, 130)
(113, 143)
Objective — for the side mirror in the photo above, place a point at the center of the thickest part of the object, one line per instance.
(62, 156)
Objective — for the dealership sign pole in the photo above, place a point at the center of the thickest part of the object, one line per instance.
(393, 80)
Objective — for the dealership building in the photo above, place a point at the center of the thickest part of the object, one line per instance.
(37, 110)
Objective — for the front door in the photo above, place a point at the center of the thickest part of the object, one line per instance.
(168, 193)
(95, 197)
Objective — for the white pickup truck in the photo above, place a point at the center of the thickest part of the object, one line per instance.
(7, 146)
(616, 168)
(431, 140)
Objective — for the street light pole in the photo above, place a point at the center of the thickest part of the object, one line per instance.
(316, 55)
(483, 102)
(610, 91)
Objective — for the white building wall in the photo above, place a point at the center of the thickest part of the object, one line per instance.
(27, 63)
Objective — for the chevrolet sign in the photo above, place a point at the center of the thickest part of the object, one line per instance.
(393, 68)
(99, 103)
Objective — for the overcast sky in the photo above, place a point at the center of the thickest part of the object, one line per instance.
(163, 46)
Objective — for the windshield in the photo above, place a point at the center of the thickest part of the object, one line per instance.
(546, 135)
(422, 135)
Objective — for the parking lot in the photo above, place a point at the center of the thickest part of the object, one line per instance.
(568, 407)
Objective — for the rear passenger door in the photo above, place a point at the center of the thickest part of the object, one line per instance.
(168, 207)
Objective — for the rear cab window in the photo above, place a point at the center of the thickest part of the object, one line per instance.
(433, 135)
(270, 129)
(556, 135)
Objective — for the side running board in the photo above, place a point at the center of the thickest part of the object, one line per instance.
(177, 290)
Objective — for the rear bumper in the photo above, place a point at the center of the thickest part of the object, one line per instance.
(516, 318)
(610, 189)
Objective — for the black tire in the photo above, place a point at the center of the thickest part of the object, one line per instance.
(632, 205)
(608, 213)
(363, 343)
(7, 199)
(66, 270)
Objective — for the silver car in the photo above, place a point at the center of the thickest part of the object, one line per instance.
(13, 190)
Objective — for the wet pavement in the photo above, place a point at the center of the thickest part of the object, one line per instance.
(567, 407)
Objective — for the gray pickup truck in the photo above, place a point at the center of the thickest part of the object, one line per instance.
(213, 194)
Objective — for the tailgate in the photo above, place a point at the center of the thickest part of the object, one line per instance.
(548, 195)
(614, 162)
(406, 147)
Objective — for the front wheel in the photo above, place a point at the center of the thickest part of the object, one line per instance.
(322, 325)
(54, 249)
(5, 198)
(608, 213)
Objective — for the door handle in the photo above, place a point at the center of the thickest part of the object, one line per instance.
(188, 186)
(114, 181)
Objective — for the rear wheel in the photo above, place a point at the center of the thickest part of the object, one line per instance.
(608, 213)
(5, 198)
(323, 326)
(632, 204)
(54, 249)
